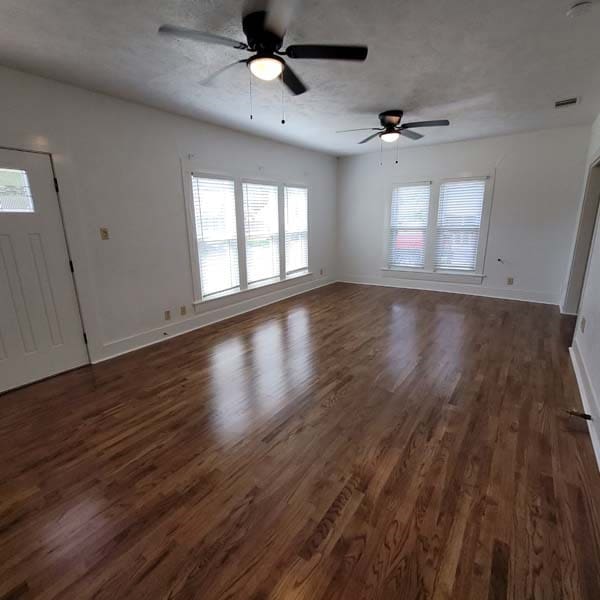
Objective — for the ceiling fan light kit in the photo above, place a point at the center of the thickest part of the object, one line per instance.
(389, 136)
(266, 68)
(391, 129)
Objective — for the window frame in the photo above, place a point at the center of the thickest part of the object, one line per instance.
(428, 271)
(189, 170)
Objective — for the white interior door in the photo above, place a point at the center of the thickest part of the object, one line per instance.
(40, 326)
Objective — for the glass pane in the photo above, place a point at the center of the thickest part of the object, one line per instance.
(461, 203)
(15, 193)
(218, 266)
(410, 206)
(407, 247)
(262, 256)
(296, 251)
(456, 249)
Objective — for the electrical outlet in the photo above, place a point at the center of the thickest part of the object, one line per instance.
(167, 315)
(104, 233)
(183, 311)
(510, 280)
(582, 324)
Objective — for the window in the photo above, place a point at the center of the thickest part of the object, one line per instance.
(408, 225)
(244, 234)
(216, 235)
(261, 222)
(442, 233)
(296, 230)
(458, 224)
(15, 193)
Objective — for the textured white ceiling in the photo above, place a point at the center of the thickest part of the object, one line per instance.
(490, 66)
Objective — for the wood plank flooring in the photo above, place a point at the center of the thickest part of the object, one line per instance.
(352, 443)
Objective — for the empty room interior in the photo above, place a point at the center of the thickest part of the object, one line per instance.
(299, 299)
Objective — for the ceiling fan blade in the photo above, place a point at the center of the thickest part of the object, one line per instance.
(292, 81)
(369, 138)
(362, 129)
(214, 75)
(439, 123)
(327, 52)
(200, 36)
(413, 135)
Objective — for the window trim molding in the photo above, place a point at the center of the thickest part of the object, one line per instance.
(191, 168)
(428, 271)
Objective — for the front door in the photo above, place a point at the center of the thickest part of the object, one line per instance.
(40, 326)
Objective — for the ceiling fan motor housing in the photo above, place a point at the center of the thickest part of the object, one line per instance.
(260, 39)
(390, 118)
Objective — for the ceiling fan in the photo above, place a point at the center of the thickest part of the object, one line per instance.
(391, 129)
(265, 43)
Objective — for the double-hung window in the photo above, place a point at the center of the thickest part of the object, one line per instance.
(296, 230)
(245, 234)
(409, 216)
(216, 235)
(439, 232)
(460, 211)
(261, 223)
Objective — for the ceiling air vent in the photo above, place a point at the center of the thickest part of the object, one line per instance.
(565, 102)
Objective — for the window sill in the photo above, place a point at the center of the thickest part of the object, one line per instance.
(441, 276)
(254, 290)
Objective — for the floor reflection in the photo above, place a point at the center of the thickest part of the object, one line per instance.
(254, 376)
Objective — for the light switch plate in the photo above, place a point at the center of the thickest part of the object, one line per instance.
(104, 233)
(510, 280)
(167, 315)
(183, 311)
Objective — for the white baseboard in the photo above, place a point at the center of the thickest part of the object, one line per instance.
(121, 346)
(589, 399)
(454, 288)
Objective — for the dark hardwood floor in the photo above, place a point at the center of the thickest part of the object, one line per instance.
(351, 443)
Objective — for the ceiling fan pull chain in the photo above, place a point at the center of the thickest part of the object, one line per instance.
(251, 116)
(397, 150)
(282, 102)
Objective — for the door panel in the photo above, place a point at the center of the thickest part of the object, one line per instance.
(40, 326)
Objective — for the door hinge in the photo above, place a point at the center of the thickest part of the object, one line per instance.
(71, 266)
(56, 185)
(85, 338)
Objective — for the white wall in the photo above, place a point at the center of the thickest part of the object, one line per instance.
(537, 192)
(586, 344)
(118, 165)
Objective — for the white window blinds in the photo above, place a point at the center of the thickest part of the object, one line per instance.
(458, 224)
(216, 233)
(408, 225)
(261, 224)
(296, 229)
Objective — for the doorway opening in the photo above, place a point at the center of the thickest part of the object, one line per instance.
(583, 242)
